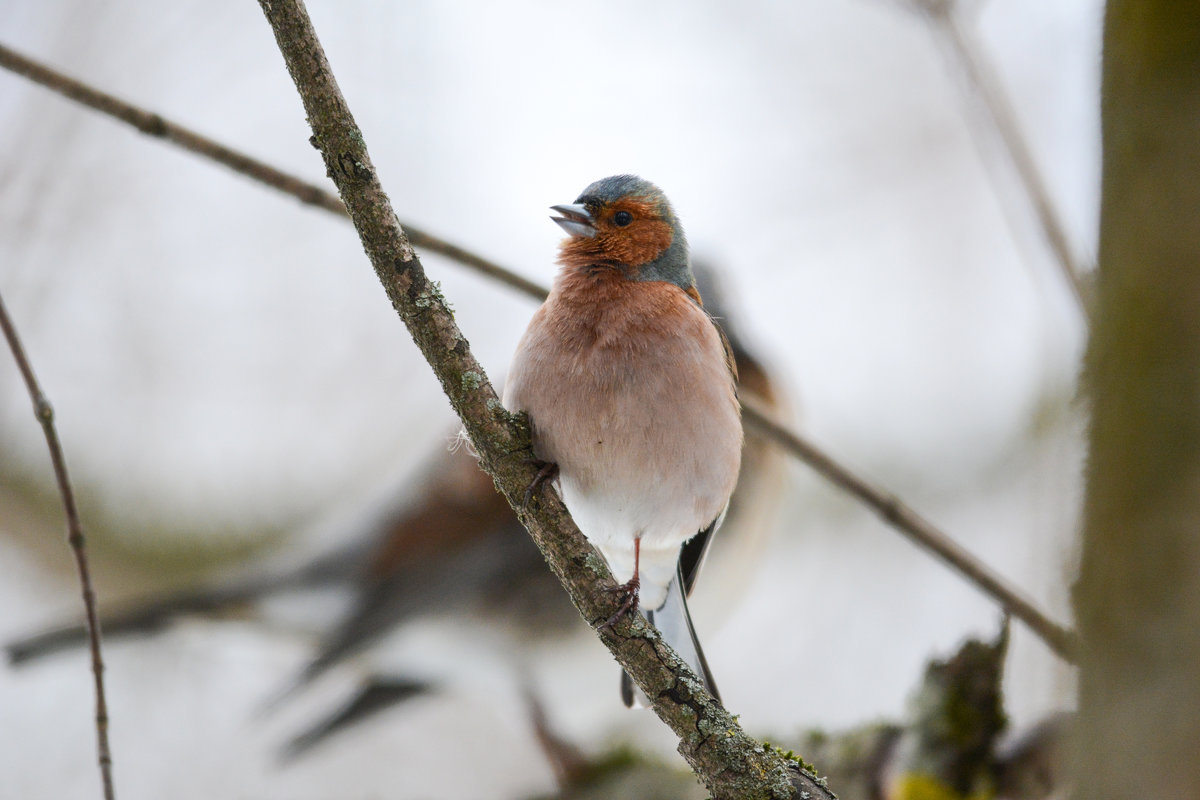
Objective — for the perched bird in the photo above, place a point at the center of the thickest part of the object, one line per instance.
(447, 544)
(630, 390)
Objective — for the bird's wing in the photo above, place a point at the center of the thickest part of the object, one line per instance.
(730, 359)
(693, 552)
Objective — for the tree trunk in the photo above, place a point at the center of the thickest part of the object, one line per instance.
(1138, 595)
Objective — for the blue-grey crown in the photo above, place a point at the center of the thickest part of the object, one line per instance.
(607, 190)
(673, 265)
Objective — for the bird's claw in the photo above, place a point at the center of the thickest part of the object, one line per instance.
(547, 471)
(628, 605)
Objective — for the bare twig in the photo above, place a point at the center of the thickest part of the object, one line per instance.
(915, 527)
(983, 81)
(908, 523)
(731, 764)
(45, 415)
(156, 125)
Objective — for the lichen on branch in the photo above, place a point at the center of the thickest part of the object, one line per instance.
(731, 764)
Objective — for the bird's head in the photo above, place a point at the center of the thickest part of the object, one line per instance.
(626, 223)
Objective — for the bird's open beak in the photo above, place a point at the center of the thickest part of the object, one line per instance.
(575, 220)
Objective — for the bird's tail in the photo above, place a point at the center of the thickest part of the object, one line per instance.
(675, 624)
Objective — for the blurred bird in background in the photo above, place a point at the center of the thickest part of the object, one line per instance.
(450, 545)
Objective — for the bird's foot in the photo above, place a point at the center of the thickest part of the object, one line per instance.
(629, 604)
(547, 471)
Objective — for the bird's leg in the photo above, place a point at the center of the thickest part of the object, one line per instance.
(547, 471)
(630, 589)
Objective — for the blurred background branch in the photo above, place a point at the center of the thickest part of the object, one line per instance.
(44, 413)
(153, 124)
(917, 529)
(892, 509)
(1000, 119)
(952, 743)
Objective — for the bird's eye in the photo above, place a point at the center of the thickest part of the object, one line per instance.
(622, 218)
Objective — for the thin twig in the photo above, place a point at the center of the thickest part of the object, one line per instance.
(908, 523)
(914, 526)
(983, 80)
(156, 125)
(45, 415)
(731, 764)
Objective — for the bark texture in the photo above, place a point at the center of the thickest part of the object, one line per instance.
(731, 764)
(1138, 594)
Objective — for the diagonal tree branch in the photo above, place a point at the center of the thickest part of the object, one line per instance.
(916, 528)
(152, 124)
(45, 416)
(730, 763)
(896, 513)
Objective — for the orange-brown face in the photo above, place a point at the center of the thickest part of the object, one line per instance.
(630, 232)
